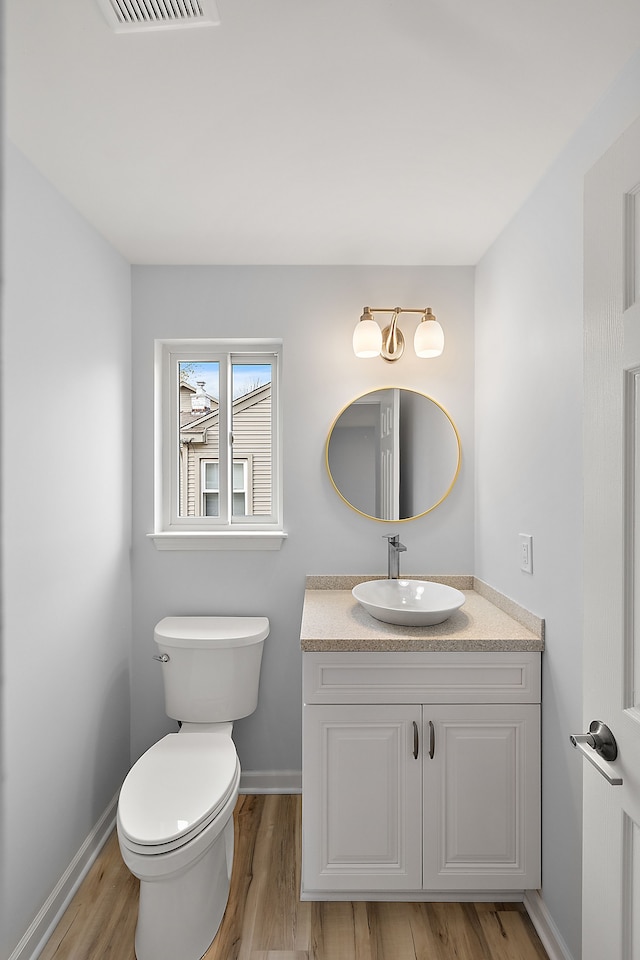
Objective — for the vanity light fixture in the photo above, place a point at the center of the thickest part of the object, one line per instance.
(370, 341)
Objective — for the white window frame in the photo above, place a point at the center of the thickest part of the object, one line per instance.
(175, 532)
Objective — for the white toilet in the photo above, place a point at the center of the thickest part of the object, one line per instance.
(175, 823)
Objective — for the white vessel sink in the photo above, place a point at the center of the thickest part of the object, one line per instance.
(416, 603)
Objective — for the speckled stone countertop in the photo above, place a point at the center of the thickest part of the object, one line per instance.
(332, 620)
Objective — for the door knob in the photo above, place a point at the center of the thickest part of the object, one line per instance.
(600, 740)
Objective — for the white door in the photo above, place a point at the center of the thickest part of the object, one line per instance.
(611, 845)
(481, 793)
(390, 456)
(362, 807)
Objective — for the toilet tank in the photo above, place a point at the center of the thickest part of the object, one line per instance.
(213, 668)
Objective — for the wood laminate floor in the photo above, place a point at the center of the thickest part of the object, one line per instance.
(265, 920)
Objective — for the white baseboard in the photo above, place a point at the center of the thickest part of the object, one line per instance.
(271, 781)
(545, 926)
(34, 940)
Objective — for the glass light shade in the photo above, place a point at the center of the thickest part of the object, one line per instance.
(429, 339)
(367, 339)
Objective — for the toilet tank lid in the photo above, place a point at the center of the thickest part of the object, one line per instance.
(211, 631)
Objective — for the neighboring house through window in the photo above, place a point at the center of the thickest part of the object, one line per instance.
(210, 505)
(210, 487)
(218, 449)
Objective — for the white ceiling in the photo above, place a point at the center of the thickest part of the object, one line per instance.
(309, 131)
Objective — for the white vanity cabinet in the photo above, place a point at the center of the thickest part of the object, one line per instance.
(421, 774)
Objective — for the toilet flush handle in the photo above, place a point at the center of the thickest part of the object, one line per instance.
(163, 659)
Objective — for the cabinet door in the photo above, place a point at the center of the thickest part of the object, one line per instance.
(482, 797)
(362, 804)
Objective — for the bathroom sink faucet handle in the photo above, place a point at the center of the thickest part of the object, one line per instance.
(394, 540)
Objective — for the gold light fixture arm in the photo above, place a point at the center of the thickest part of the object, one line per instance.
(425, 311)
(392, 338)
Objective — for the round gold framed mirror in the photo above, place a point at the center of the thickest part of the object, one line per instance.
(393, 454)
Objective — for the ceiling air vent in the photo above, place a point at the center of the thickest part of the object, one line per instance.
(138, 15)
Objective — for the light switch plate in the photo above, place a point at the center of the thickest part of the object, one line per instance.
(526, 553)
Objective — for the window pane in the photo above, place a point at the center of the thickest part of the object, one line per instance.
(199, 395)
(239, 505)
(211, 476)
(238, 475)
(211, 505)
(251, 427)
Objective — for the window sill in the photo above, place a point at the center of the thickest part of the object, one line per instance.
(219, 540)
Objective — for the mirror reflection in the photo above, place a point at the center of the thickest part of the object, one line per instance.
(393, 454)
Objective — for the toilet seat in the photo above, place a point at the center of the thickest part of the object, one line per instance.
(175, 790)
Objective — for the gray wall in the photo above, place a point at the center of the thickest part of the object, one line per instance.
(529, 461)
(66, 426)
(314, 310)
